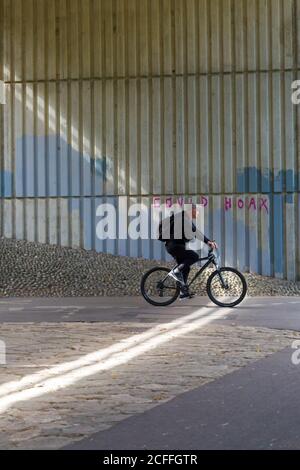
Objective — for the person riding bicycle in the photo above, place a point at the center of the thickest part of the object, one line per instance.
(175, 237)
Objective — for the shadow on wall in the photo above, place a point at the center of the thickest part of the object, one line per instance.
(50, 167)
(254, 180)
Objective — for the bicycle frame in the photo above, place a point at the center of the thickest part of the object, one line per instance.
(211, 259)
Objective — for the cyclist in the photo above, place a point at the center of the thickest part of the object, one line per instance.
(175, 241)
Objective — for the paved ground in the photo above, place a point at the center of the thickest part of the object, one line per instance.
(252, 408)
(270, 312)
(78, 367)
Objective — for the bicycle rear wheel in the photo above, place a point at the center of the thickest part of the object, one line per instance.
(158, 288)
(226, 287)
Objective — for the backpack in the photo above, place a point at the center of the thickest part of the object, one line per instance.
(170, 222)
(160, 232)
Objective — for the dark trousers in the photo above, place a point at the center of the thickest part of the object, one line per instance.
(183, 257)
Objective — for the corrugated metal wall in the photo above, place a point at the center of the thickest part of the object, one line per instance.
(138, 98)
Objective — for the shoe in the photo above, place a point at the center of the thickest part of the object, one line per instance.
(186, 294)
(177, 276)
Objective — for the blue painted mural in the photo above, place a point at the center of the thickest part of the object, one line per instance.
(53, 169)
(255, 180)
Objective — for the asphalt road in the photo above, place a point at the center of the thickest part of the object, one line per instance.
(256, 407)
(270, 312)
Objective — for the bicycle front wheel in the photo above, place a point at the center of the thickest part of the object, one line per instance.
(158, 288)
(226, 287)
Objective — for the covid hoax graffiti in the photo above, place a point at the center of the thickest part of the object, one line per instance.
(228, 203)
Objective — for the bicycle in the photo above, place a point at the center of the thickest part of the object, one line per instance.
(226, 286)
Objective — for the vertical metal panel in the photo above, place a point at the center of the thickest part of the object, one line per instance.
(181, 120)
(205, 129)
(157, 130)
(72, 39)
(111, 98)
(41, 222)
(192, 132)
(227, 155)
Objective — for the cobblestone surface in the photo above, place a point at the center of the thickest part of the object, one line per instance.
(98, 401)
(32, 269)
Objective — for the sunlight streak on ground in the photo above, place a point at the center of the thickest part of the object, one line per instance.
(66, 374)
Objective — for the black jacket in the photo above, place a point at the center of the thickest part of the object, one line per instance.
(186, 230)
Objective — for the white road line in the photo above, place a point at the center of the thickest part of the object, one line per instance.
(63, 375)
(109, 307)
(103, 307)
(183, 306)
(129, 307)
(58, 307)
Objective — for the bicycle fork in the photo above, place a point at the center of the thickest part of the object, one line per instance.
(223, 283)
